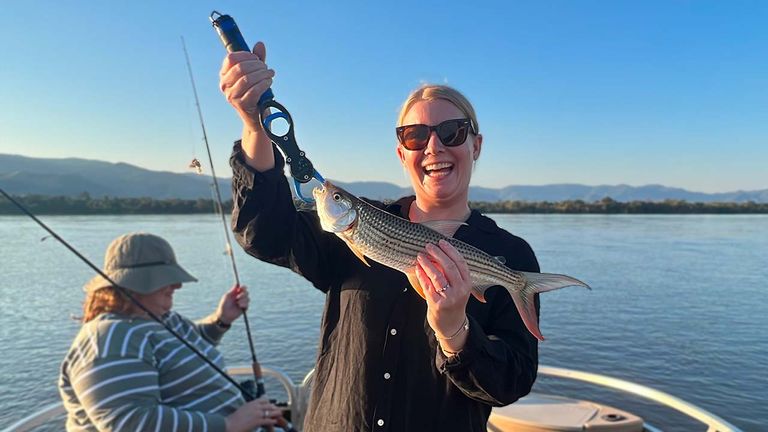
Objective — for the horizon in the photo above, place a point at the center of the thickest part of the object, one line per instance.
(592, 93)
(207, 173)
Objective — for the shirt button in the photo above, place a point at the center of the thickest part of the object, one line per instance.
(387, 375)
(393, 332)
(380, 422)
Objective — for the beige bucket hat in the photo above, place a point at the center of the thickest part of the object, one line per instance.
(140, 262)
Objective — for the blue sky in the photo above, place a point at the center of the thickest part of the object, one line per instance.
(593, 92)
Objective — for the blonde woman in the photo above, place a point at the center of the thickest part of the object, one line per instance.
(388, 360)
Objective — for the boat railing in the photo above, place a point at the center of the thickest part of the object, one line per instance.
(713, 422)
(298, 397)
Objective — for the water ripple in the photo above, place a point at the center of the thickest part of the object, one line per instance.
(678, 303)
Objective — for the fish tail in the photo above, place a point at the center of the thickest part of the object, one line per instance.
(538, 283)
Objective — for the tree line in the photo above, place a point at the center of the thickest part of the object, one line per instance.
(610, 206)
(84, 204)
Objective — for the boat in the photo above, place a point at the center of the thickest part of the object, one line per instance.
(537, 412)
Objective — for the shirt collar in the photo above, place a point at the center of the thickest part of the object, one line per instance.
(476, 219)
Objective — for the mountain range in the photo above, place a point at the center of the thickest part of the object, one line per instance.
(22, 175)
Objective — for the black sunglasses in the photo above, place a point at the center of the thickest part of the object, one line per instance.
(452, 133)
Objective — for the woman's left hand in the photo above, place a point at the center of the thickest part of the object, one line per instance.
(444, 275)
(233, 303)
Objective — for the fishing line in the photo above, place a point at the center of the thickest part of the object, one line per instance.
(219, 203)
(126, 293)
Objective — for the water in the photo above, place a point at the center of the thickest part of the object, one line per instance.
(679, 304)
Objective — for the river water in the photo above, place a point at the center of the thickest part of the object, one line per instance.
(679, 303)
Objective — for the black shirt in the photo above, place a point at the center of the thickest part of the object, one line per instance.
(379, 366)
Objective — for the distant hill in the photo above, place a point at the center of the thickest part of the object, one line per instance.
(623, 193)
(23, 175)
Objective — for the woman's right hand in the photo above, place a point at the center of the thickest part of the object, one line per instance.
(259, 412)
(243, 78)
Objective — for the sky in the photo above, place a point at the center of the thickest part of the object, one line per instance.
(595, 92)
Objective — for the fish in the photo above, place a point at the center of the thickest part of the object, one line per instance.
(395, 242)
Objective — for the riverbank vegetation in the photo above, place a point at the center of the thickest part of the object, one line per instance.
(84, 204)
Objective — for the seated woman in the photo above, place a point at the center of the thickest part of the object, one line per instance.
(125, 371)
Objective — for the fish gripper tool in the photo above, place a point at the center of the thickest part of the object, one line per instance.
(300, 166)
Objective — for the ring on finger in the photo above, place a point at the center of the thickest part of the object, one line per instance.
(445, 288)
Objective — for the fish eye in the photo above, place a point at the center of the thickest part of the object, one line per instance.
(336, 196)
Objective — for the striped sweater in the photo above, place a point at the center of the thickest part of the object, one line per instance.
(131, 374)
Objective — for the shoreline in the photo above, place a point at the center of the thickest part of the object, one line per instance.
(85, 205)
(67, 206)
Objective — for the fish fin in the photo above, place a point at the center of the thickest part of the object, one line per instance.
(543, 282)
(445, 227)
(357, 253)
(526, 307)
(538, 283)
(479, 292)
(415, 283)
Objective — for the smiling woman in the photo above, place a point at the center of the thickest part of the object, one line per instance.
(435, 157)
(383, 349)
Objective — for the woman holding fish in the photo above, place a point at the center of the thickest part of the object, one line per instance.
(388, 360)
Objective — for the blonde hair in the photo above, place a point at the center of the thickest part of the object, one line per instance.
(104, 300)
(429, 92)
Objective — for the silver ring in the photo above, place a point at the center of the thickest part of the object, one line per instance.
(266, 413)
(445, 288)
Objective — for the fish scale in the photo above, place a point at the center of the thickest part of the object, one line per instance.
(404, 240)
(377, 226)
(395, 242)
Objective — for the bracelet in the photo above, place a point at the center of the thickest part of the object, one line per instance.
(449, 353)
(464, 327)
(222, 324)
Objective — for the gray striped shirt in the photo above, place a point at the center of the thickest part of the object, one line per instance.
(130, 374)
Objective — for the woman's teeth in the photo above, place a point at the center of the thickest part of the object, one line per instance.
(438, 169)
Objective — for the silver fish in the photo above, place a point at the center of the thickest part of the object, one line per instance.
(395, 242)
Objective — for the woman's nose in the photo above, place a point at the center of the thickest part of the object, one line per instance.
(434, 145)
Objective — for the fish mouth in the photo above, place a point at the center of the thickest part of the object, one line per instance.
(437, 169)
(318, 191)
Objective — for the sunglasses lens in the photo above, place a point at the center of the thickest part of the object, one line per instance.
(452, 133)
(415, 137)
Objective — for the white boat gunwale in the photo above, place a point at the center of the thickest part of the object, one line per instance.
(298, 398)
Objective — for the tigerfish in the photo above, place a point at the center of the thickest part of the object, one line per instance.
(395, 242)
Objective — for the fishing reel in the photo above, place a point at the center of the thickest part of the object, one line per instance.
(252, 391)
(248, 389)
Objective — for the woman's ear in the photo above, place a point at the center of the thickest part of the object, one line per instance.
(477, 145)
(400, 154)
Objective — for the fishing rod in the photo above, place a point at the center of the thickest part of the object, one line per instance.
(247, 394)
(301, 167)
(257, 374)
